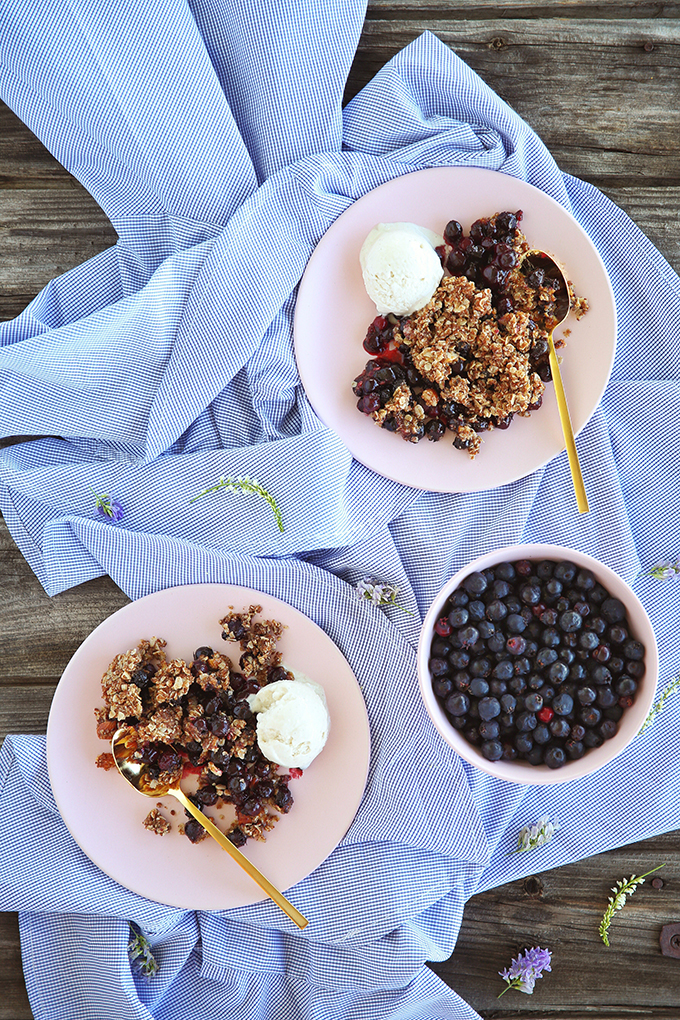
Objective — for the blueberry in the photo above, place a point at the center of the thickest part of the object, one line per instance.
(535, 682)
(457, 704)
(557, 672)
(496, 610)
(585, 580)
(590, 716)
(503, 670)
(563, 704)
(505, 571)
(523, 743)
(554, 757)
(442, 688)
(492, 750)
(560, 728)
(481, 667)
(606, 697)
(489, 708)
(459, 617)
(489, 729)
(617, 634)
(479, 687)
(600, 675)
(593, 739)
(634, 650)
(476, 610)
(545, 657)
(508, 702)
(496, 643)
(613, 610)
(626, 685)
(570, 621)
(565, 571)
(586, 695)
(541, 734)
(574, 749)
(533, 702)
(475, 583)
(509, 752)
(459, 598)
(588, 640)
(486, 629)
(522, 665)
(497, 687)
(516, 624)
(459, 659)
(499, 589)
(530, 593)
(607, 729)
(553, 589)
(550, 637)
(526, 721)
(635, 668)
(438, 667)
(545, 569)
(468, 636)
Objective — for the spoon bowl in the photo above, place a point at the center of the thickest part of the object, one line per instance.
(561, 304)
(138, 775)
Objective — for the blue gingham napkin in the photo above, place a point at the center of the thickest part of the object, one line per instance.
(212, 134)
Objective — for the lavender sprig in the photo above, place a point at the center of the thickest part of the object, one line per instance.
(623, 888)
(139, 952)
(243, 486)
(525, 969)
(379, 594)
(108, 508)
(531, 837)
(660, 704)
(664, 571)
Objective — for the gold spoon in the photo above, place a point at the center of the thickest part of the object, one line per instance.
(541, 260)
(137, 775)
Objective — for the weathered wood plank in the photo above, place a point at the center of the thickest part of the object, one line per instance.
(39, 634)
(14, 1004)
(561, 910)
(603, 95)
(25, 708)
(24, 161)
(43, 233)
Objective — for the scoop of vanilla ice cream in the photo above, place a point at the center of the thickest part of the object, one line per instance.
(400, 267)
(292, 721)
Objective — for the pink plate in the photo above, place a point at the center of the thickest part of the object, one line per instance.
(104, 815)
(333, 312)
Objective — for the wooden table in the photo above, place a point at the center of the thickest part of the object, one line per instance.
(600, 83)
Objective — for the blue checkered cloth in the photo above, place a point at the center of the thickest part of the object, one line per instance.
(212, 134)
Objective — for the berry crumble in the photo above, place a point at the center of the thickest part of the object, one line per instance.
(477, 353)
(535, 660)
(193, 717)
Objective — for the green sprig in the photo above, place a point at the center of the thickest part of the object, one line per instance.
(622, 890)
(245, 485)
(660, 704)
(139, 951)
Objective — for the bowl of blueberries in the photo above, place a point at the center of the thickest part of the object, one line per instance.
(537, 663)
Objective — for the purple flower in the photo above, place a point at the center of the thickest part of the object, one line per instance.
(524, 970)
(664, 571)
(109, 509)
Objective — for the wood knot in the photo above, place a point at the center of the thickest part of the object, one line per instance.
(533, 887)
(648, 47)
(497, 43)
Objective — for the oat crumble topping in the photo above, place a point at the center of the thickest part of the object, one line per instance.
(193, 716)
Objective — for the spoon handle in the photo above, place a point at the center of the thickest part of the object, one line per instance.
(577, 477)
(241, 859)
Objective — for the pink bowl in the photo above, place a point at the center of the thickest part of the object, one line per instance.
(633, 717)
